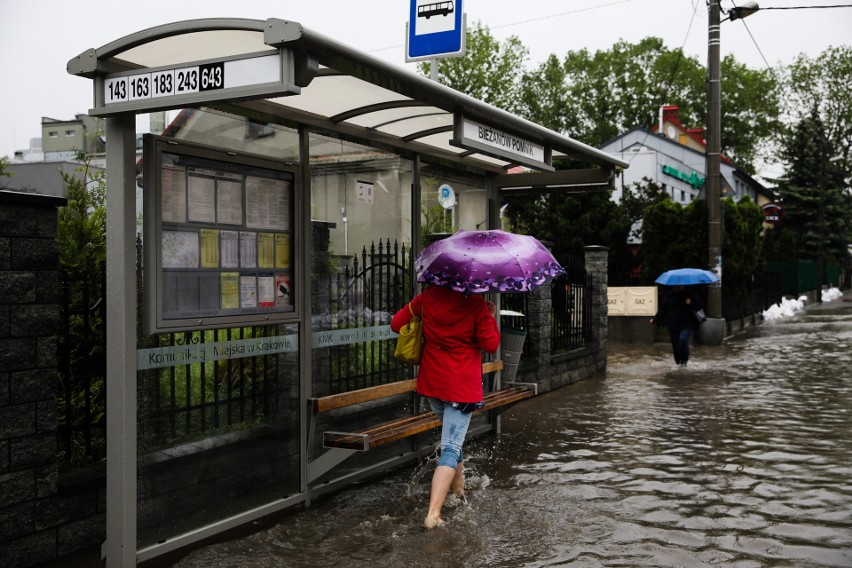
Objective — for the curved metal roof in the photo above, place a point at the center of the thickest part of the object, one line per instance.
(342, 89)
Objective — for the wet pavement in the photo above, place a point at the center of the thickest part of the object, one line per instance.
(742, 459)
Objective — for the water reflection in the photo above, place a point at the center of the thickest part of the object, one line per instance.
(743, 459)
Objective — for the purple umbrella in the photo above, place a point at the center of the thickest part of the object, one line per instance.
(478, 262)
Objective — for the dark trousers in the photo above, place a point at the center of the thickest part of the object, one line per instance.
(680, 344)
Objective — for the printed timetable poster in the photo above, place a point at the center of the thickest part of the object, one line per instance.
(223, 238)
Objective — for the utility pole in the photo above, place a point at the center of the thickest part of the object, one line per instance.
(713, 183)
(713, 329)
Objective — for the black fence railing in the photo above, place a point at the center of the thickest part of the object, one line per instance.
(571, 322)
(767, 290)
(81, 392)
(366, 292)
(184, 401)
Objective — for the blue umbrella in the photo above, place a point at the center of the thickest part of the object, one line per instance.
(686, 276)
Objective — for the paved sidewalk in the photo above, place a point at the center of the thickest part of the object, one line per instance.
(838, 305)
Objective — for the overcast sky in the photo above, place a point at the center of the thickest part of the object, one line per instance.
(38, 37)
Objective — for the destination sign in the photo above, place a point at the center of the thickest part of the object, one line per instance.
(495, 142)
(258, 74)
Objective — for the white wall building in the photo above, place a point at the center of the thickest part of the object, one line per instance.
(676, 161)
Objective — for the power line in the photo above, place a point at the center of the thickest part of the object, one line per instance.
(761, 9)
(760, 51)
(577, 11)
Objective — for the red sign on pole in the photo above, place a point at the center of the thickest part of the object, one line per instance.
(773, 212)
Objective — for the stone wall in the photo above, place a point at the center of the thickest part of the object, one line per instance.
(36, 522)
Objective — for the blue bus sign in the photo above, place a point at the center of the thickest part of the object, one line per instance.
(435, 29)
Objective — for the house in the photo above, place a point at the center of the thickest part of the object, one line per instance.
(673, 156)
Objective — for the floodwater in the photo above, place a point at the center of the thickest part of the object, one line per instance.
(743, 459)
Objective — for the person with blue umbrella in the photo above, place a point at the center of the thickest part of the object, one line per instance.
(679, 306)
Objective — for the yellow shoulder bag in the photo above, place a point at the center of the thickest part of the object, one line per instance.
(409, 345)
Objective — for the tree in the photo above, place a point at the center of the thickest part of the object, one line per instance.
(743, 259)
(821, 85)
(5, 171)
(81, 224)
(81, 236)
(750, 113)
(489, 71)
(818, 211)
(544, 96)
(673, 236)
(676, 237)
(572, 221)
(594, 97)
(610, 91)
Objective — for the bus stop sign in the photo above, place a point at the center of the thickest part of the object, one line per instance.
(435, 29)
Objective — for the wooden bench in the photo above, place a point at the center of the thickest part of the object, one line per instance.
(391, 431)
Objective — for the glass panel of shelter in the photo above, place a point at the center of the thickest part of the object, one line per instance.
(360, 264)
(200, 423)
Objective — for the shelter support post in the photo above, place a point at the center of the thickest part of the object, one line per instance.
(120, 546)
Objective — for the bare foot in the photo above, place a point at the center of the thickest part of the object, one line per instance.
(432, 522)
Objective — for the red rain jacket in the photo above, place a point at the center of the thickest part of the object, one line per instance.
(456, 328)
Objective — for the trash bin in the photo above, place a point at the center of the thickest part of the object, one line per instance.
(511, 345)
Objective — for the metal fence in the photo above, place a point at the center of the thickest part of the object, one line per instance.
(571, 322)
(366, 292)
(181, 402)
(767, 290)
(81, 393)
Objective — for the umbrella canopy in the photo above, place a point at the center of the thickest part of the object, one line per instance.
(686, 277)
(478, 262)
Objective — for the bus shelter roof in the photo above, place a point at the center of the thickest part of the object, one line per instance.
(337, 88)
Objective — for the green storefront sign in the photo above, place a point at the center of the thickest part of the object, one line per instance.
(692, 179)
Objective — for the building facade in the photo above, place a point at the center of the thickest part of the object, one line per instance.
(673, 157)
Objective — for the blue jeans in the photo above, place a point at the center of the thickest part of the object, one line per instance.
(454, 424)
(680, 344)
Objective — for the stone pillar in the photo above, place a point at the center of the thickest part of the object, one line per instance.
(538, 320)
(597, 260)
(30, 508)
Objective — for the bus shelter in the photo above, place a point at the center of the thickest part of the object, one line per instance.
(281, 211)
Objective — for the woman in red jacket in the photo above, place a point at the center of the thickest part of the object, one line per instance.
(456, 329)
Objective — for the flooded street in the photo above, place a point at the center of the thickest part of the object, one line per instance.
(742, 459)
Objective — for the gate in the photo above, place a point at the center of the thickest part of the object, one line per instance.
(366, 291)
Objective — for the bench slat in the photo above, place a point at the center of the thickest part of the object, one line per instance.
(394, 430)
(335, 401)
(342, 400)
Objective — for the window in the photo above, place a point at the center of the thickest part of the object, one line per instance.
(53, 134)
(70, 133)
